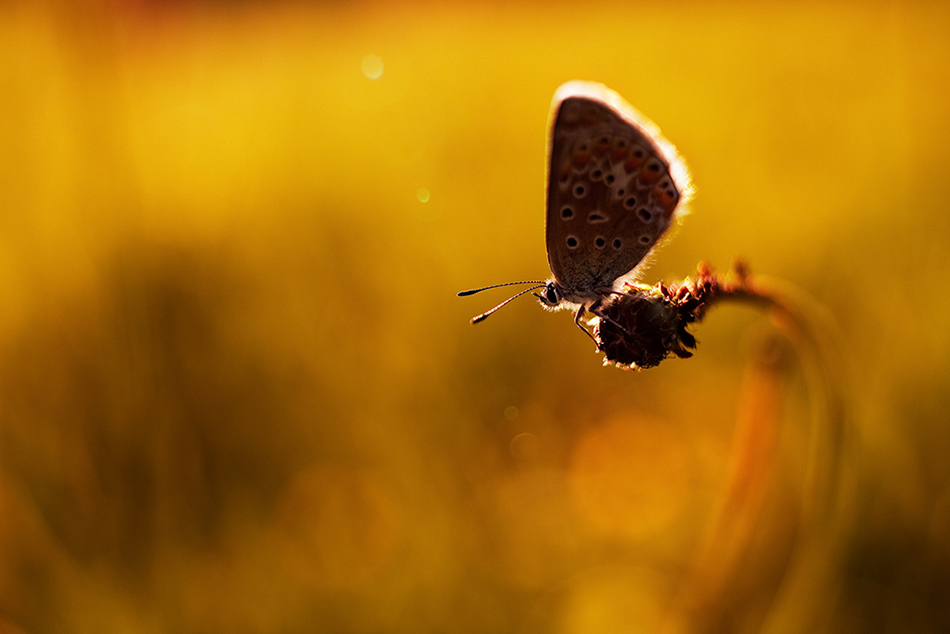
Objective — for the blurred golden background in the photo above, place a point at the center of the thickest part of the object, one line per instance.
(237, 393)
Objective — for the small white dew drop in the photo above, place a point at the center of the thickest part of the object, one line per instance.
(423, 195)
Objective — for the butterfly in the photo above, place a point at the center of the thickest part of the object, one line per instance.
(615, 186)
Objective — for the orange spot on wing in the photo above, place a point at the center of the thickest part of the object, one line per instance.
(665, 198)
(633, 163)
(648, 175)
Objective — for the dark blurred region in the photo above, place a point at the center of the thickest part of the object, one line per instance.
(237, 392)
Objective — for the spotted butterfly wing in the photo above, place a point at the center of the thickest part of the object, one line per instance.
(614, 188)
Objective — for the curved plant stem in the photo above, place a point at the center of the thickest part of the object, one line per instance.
(803, 585)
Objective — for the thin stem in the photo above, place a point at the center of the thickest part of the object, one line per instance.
(811, 577)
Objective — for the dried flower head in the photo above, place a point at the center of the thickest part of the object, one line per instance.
(642, 325)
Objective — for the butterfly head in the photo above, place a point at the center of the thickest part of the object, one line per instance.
(550, 295)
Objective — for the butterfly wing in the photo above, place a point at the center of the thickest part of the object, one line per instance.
(614, 188)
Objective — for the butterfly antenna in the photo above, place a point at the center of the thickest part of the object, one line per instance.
(478, 318)
(479, 290)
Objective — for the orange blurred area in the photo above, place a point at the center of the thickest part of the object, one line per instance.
(237, 393)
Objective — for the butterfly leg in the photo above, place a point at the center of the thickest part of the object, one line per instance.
(577, 320)
(596, 309)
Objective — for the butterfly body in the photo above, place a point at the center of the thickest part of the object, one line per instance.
(614, 188)
(613, 191)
